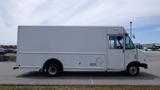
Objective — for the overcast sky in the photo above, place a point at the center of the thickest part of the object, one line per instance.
(145, 15)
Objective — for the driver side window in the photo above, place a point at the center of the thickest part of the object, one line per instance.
(116, 42)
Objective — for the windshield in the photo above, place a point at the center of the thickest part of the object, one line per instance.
(128, 43)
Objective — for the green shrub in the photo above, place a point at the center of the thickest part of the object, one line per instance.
(7, 58)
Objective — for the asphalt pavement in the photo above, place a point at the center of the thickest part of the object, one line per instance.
(150, 76)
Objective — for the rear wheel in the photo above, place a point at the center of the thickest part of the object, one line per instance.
(53, 69)
(132, 70)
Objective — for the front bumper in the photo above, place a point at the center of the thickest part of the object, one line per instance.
(144, 65)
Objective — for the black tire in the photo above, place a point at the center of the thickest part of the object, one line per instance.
(132, 70)
(53, 69)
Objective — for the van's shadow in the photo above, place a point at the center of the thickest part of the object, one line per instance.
(90, 75)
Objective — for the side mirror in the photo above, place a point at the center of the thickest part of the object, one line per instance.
(134, 36)
(139, 46)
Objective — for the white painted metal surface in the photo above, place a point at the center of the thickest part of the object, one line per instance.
(79, 48)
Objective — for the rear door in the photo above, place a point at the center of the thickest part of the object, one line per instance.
(116, 52)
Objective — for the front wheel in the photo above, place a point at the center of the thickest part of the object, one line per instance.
(133, 70)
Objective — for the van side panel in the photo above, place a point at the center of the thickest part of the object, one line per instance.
(79, 49)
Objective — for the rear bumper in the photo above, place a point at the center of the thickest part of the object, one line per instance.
(15, 68)
(144, 65)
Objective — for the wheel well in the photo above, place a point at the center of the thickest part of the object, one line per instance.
(52, 60)
(134, 63)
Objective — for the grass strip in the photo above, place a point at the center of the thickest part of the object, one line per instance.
(79, 87)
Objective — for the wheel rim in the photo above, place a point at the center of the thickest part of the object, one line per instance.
(133, 70)
(52, 70)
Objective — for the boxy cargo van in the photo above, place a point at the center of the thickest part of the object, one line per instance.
(54, 49)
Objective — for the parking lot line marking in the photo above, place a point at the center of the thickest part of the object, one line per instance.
(92, 82)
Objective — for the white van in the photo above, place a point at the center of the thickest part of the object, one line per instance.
(54, 49)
